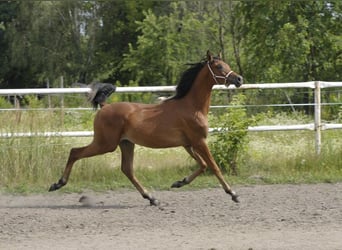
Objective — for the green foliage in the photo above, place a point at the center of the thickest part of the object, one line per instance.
(33, 101)
(4, 103)
(285, 43)
(230, 140)
(163, 48)
(148, 42)
(80, 40)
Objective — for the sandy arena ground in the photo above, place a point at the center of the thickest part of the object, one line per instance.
(296, 217)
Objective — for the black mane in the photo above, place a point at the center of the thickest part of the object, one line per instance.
(187, 80)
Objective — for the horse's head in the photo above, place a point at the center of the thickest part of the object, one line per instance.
(221, 71)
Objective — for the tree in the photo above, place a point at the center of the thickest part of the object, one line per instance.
(149, 42)
(291, 41)
(283, 41)
(118, 28)
(8, 11)
(169, 41)
(45, 42)
(81, 40)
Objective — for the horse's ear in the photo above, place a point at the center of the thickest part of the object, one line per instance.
(209, 56)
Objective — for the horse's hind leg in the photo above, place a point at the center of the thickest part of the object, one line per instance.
(127, 151)
(197, 172)
(76, 154)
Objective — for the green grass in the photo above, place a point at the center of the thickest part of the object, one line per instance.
(33, 164)
(289, 157)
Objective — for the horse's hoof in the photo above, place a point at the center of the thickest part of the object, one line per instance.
(233, 195)
(53, 187)
(235, 198)
(57, 185)
(154, 202)
(179, 184)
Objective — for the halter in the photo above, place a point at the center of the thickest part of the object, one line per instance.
(220, 77)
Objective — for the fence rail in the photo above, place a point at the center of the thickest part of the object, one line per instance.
(316, 126)
(46, 91)
(51, 91)
(308, 126)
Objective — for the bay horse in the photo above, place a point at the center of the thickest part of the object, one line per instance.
(178, 121)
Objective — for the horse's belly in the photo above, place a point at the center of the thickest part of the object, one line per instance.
(164, 139)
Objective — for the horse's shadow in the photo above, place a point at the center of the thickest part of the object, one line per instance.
(100, 207)
(71, 206)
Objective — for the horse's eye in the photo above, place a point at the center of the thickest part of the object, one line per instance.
(219, 67)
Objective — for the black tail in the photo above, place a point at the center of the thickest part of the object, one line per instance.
(99, 93)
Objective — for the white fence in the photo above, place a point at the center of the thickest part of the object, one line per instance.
(316, 126)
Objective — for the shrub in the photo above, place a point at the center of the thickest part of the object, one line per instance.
(230, 137)
(4, 103)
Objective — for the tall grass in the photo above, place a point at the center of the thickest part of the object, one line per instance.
(32, 164)
(278, 157)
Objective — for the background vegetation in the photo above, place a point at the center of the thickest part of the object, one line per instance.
(143, 42)
(148, 42)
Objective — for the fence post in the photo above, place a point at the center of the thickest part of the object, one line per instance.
(49, 96)
(318, 124)
(62, 101)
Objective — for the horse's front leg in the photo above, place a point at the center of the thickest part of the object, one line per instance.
(202, 150)
(197, 172)
(127, 156)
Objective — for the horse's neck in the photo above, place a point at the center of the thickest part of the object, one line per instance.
(200, 93)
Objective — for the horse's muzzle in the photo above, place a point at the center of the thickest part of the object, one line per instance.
(238, 81)
(235, 79)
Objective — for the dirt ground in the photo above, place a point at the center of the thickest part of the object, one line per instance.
(303, 217)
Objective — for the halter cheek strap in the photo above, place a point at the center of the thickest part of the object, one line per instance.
(219, 77)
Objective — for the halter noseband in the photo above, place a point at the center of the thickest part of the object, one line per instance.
(219, 77)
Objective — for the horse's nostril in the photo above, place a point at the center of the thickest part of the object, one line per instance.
(240, 79)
